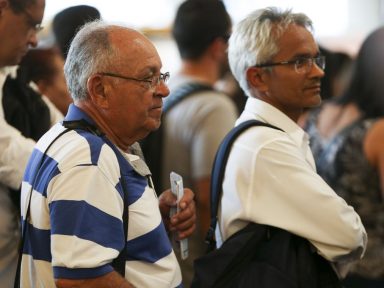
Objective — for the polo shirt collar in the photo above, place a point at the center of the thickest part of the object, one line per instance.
(75, 113)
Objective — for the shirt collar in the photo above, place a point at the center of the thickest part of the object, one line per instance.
(261, 110)
(75, 113)
(134, 157)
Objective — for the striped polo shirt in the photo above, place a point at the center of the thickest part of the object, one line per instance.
(75, 226)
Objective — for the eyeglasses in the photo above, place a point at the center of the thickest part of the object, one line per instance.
(37, 27)
(302, 65)
(152, 82)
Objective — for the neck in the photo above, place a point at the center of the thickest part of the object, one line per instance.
(203, 69)
(104, 126)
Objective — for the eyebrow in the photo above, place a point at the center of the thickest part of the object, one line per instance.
(305, 55)
(149, 71)
(31, 21)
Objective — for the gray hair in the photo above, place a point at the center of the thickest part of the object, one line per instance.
(90, 52)
(254, 39)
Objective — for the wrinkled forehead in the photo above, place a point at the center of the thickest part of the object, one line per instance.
(136, 50)
(298, 41)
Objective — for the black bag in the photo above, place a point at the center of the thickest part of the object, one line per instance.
(258, 255)
(152, 145)
(25, 110)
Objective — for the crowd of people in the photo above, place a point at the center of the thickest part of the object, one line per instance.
(81, 205)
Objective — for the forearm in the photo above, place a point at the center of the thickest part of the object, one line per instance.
(110, 280)
(304, 204)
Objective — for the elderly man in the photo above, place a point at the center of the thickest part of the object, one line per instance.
(19, 23)
(80, 183)
(270, 177)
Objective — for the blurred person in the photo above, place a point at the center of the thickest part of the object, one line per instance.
(346, 136)
(270, 177)
(44, 67)
(75, 226)
(230, 87)
(67, 22)
(337, 73)
(194, 127)
(19, 23)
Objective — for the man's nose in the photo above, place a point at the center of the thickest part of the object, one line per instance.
(162, 89)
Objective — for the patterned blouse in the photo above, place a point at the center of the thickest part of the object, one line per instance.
(342, 164)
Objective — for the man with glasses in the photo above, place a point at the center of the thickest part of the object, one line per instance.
(19, 23)
(90, 184)
(270, 177)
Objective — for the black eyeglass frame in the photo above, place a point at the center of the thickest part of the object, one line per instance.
(154, 81)
(318, 60)
(37, 27)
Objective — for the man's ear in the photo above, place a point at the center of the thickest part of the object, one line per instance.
(97, 91)
(257, 78)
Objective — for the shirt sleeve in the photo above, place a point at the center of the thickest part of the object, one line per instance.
(87, 233)
(277, 186)
(15, 151)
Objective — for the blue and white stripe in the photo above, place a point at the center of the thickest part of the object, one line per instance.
(75, 228)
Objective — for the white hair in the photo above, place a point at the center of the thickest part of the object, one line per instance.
(254, 39)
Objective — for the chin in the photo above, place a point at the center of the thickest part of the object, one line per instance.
(315, 101)
(155, 125)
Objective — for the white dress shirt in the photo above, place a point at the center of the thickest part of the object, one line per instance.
(271, 179)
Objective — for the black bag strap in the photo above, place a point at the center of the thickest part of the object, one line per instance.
(152, 145)
(118, 263)
(218, 170)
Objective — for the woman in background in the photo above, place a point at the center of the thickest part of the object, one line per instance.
(347, 136)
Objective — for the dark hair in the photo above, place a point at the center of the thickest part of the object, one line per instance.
(337, 63)
(67, 22)
(367, 84)
(38, 64)
(18, 6)
(197, 24)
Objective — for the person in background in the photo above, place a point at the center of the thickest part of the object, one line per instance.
(346, 137)
(88, 174)
(337, 77)
(337, 73)
(270, 177)
(67, 22)
(44, 68)
(19, 23)
(194, 128)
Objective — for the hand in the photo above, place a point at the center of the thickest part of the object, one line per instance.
(183, 222)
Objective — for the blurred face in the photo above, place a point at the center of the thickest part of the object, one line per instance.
(288, 90)
(135, 107)
(55, 88)
(18, 31)
(224, 64)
